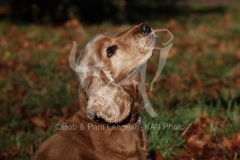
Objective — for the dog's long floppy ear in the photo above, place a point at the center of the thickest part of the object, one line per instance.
(108, 101)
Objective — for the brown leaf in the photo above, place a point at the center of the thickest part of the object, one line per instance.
(158, 155)
(226, 143)
(207, 138)
(236, 140)
(213, 158)
(238, 54)
(10, 154)
(194, 143)
(39, 122)
(73, 23)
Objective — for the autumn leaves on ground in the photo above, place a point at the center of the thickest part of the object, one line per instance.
(198, 88)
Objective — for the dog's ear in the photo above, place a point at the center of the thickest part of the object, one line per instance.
(108, 101)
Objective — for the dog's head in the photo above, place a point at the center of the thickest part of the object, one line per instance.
(107, 61)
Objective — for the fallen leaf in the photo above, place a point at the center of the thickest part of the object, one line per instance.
(236, 140)
(226, 143)
(238, 54)
(39, 122)
(213, 158)
(158, 155)
(73, 23)
(195, 144)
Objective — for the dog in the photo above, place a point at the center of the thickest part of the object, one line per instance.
(108, 124)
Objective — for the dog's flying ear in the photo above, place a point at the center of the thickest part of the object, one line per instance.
(108, 101)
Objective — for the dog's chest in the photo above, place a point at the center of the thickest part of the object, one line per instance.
(126, 142)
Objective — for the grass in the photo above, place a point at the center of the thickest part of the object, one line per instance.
(166, 132)
(195, 85)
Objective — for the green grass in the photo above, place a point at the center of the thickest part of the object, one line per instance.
(36, 80)
(166, 132)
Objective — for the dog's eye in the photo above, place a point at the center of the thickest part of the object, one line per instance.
(111, 50)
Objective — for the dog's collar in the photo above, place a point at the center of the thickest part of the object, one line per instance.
(136, 118)
(133, 118)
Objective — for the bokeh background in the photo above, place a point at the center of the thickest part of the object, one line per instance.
(198, 87)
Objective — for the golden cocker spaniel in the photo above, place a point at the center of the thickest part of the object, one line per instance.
(108, 125)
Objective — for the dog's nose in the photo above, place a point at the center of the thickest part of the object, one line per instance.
(145, 29)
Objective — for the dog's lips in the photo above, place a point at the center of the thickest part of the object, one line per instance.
(152, 36)
(115, 120)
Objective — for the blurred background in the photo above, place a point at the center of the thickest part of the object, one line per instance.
(198, 87)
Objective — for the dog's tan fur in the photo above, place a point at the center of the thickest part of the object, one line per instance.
(108, 92)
